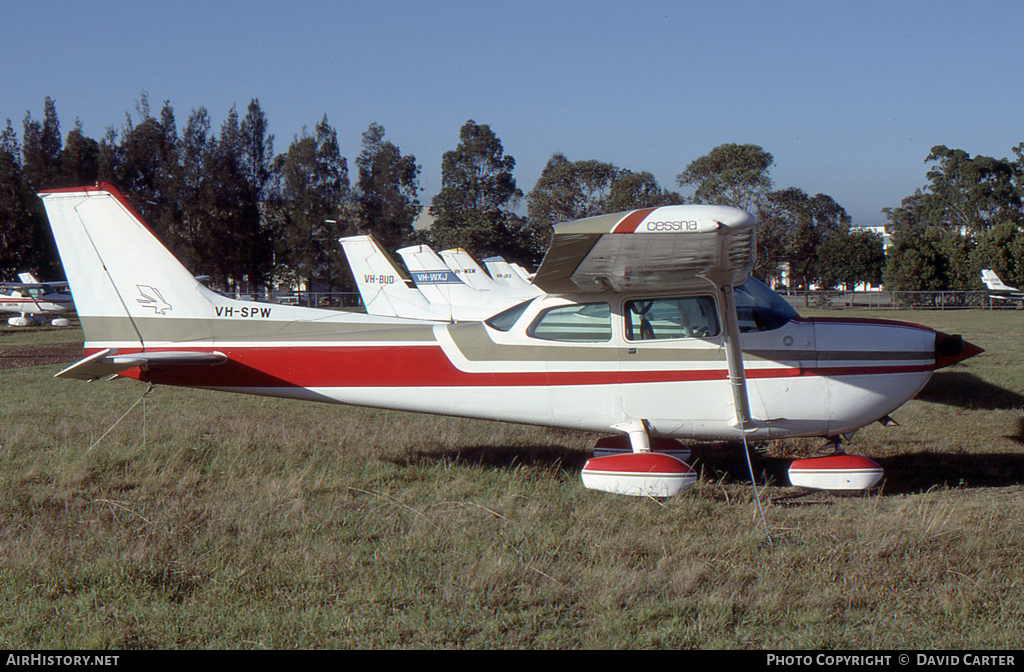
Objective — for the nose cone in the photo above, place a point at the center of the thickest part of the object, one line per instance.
(952, 348)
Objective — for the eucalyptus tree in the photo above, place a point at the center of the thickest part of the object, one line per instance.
(569, 190)
(850, 257)
(632, 191)
(196, 250)
(41, 147)
(966, 217)
(79, 159)
(474, 207)
(1001, 249)
(23, 232)
(801, 224)
(242, 248)
(145, 168)
(312, 205)
(730, 174)
(969, 194)
(386, 200)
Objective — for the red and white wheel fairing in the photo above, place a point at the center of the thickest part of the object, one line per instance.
(835, 472)
(638, 475)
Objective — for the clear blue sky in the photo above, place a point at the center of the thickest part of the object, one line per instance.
(848, 96)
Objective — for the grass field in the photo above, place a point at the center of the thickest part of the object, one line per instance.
(206, 520)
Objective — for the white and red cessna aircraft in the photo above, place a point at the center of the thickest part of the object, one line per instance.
(32, 300)
(651, 330)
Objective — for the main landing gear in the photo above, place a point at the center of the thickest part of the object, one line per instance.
(838, 471)
(639, 465)
(661, 470)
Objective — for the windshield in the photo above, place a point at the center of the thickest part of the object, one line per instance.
(759, 308)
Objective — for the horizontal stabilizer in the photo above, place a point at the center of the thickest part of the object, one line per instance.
(107, 362)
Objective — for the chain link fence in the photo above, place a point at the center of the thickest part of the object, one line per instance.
(337, 300)
(838, 300)
(897, 300)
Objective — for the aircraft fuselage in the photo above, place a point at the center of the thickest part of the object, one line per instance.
(556, 364)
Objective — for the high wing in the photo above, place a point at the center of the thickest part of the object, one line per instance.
(31, 299)
(30, 280)
(674, 247)
(666, 248)
(48, 287)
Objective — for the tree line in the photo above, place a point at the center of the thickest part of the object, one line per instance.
(232, 209)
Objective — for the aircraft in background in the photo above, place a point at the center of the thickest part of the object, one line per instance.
(33, 300)
(444, 287)
(437, 295)
(650, 329)
(438, 289)
(466, 267)
(512, 275)
(999, 291)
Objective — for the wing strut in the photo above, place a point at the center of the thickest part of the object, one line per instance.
(734, 356)
(724, 282)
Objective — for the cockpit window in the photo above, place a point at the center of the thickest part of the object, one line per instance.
(505, 320)
(759, 308)
(686, 317)
(589, 322)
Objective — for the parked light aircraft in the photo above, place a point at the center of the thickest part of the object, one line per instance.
(439, 289)
(466, 267)
(436, 294)
(512, 275)
(444, 285)
(33, 300)
(999, 291)
(651, 329)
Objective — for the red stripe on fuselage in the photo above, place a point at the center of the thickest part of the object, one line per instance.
(425, 366)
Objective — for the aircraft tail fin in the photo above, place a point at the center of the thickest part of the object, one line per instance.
(129, 289)
(443, 287)
(523, 273)
(382, 284)
(504, 273)
(438, 283)
(28, 278)
(466, 267)
(992, 280)
(119, 272)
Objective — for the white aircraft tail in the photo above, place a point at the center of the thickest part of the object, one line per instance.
(504, 273)
(383, 285)
(466, 268)
(438, 283)
(28, 278)
(443, 287)
(993, 282)
(523, 273)
(130, 291)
